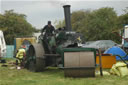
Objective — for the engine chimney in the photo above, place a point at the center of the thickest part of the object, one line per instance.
(67, 17)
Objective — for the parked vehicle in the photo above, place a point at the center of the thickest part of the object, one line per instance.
(125, 37)
(49, 52)
(2, 45)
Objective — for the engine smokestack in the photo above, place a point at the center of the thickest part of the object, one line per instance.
(67, 17)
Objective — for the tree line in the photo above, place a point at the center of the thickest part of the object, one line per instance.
(100, 24)
(15, 25)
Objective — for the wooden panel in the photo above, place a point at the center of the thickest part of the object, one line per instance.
(87, 59)
(71, 59)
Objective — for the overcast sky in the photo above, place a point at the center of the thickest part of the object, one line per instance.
(40, 11)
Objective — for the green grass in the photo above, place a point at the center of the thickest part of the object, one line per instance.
(53, 76)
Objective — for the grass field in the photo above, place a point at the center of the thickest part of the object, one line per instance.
(53, 76)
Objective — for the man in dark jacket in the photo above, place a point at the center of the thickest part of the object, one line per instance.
(48, 29)
(48, 36)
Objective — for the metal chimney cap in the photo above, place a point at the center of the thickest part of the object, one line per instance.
(66, 5)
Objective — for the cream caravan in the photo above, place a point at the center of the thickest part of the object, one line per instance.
(2, 45)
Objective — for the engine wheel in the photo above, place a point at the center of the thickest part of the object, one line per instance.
(36, 59)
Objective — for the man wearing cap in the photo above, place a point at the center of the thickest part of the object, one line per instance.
(48, 36)
(48, 29)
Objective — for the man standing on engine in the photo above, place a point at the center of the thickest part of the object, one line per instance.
(48, 36)
(48, 29)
